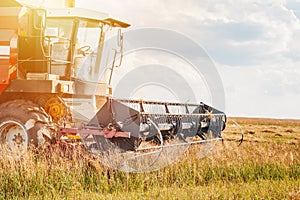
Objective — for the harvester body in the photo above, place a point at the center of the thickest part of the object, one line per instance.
(50, 71)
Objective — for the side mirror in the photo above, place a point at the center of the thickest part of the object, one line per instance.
(117, 52)
(120, 39)
(120, 45)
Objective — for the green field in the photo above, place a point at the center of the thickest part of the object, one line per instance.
(265, 166)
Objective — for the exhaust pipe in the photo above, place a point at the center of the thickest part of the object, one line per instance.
(70, 3)
(59, 3)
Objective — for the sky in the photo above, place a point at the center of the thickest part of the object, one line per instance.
(253, 44)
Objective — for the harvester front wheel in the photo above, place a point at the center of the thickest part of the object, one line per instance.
(22, 124)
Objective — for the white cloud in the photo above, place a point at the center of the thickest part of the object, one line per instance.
(255, 45)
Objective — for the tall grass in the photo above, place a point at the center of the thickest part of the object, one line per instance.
(251, 171)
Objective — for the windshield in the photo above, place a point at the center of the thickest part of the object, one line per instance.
(78, 48)
(58, 34)
(88, 34)
(59, 29)
(87, 45)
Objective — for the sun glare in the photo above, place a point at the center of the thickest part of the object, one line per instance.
(32, 3)
(47, 3)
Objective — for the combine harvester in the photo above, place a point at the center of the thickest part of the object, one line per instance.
(49, 71)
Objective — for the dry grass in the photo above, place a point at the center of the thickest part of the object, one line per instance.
(265, 130)
(263, 167)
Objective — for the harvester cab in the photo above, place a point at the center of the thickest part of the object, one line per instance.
(54, 52)
(50, 88)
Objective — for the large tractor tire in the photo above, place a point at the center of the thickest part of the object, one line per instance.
(23, 124)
